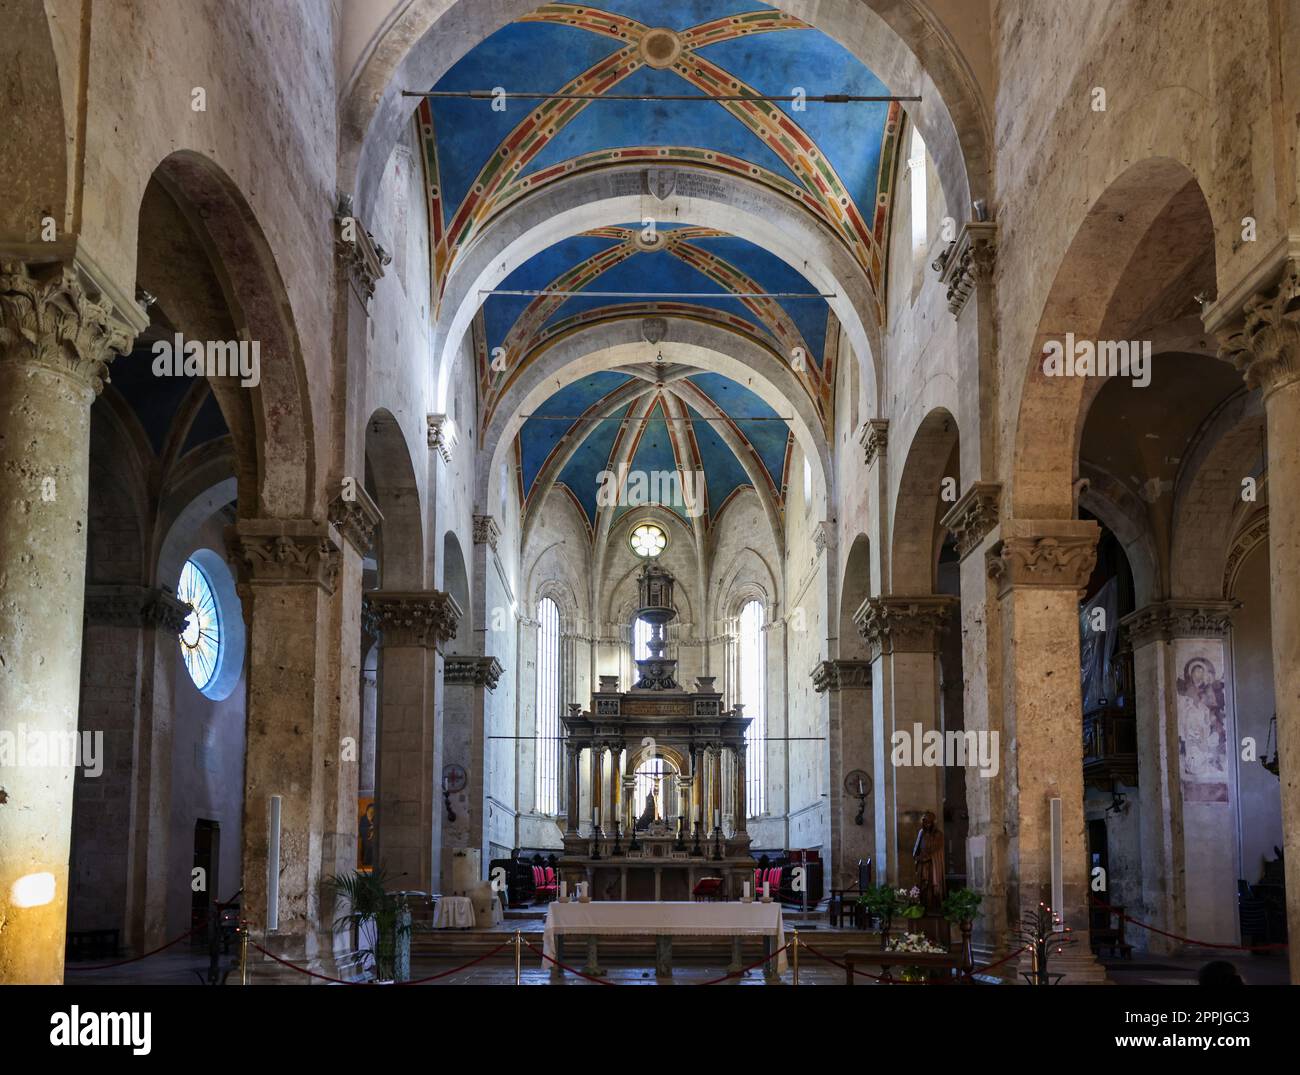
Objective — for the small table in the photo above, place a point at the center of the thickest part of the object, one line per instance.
(453, 912)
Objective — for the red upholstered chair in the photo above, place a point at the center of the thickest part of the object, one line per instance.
(544, 883)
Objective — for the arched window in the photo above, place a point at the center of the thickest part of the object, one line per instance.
(640, 640)
(548, 707)
(920, 211)
(751, 692)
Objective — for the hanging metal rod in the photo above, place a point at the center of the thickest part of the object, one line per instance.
(818, 98)
(558, 292)
(647, 418)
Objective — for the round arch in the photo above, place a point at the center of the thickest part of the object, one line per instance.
(391, 477)
(918, 506)
(904, 44)
(578, 203)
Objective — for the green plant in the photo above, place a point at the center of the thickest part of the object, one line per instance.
(369, 903)
(885, 902)
(961, 905)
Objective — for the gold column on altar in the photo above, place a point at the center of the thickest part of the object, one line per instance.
(615, 782)
(715, 792)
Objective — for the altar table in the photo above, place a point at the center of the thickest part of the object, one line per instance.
(663, 921)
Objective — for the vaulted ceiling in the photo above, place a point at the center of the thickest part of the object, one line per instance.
(835, 161)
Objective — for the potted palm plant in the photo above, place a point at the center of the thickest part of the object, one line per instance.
(960, 906)
(378, 915)
(883, 902)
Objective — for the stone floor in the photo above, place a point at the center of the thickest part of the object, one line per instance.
(179, 967)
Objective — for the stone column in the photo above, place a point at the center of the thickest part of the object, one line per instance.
(121, 815)
(408, 773)
(973, 522)
(715, 787)
(571, 759)
(741, 835)
(1188, 820)
(288, 570)
(697, 787)
(847, 685)
(1264, 342)
(615, 781)
(1040, 568)
(465, 682)
(903, 633)
(59, 329)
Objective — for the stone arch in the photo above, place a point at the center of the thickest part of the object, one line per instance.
(855, 588)
(747, 578)
(390, 477)
(1104, 288)
(455, 581)
(1116, 508)
(1208, 508)
(286, 479)
(917, 536)
(903, 44)
(578, 203)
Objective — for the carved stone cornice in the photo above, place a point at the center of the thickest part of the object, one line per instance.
(1163, 621)
(1264, 341)
(362, 258)
(836, 675)
(896, 624)
(973, 516)
(135, 606)
(356, 516)
(440, 435)
(486, 531)
(1056, 554)
(874, 438)
(411, 617)
(824, 536)
(471, 672)
(284, 552)
(969, 261)
(57, 316)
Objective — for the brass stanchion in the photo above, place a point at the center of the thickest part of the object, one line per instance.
(795, 946)
(243, 953)
(519, 951)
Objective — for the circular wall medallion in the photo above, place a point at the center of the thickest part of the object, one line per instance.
(454, 777)
(659, 47)
(858, 782)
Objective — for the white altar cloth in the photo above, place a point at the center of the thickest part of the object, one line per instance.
(453, 912)
(644, 919)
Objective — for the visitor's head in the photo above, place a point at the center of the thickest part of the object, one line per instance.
(1219, 972)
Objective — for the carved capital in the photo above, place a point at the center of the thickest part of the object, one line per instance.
(472, 672)
(440, 435)
(837, 675)
(1164, 621)
(904, 624)
(968, 262)
(486, 531)
(824, 536)
(1056, 554)
(284, 552)
(361, 257)
(874, 438)
(411, 617)
(974, 516)
(356, 518)
(1264, 343)
(55, 315)
(135, 606)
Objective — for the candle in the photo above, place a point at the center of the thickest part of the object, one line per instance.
(861, 788)
(595, 817)
(746, 890)
(717, 818)
(564, 890)
(767, 892)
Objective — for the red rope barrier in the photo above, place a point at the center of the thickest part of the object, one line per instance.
(562, 966)
(1187, 940)
(304, 970)
(454, 970)
(133, 959)
(745, 970)
(989, 966)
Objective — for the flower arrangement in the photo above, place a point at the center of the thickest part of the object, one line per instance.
(914, 943)
(886, 902)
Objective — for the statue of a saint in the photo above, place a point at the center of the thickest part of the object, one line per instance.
(648, 814)
(928, 858)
